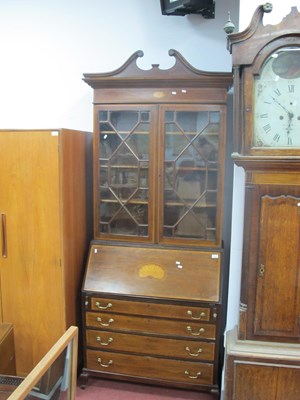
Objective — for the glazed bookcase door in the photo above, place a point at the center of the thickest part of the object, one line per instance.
(191, 188)
(124, 172)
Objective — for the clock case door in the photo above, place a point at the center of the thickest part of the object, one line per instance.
(270, 294)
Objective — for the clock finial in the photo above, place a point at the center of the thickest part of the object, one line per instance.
(229, 27)
(268, 7)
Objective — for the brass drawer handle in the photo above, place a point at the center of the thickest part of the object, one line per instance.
(199, 333)
(194, 354)
(109, 340)
(104, 365)
(201, 316)
(98, 305)
(193, 376)
(110, 321)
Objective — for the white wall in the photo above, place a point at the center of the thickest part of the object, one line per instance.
(280, 9)
(46, 46)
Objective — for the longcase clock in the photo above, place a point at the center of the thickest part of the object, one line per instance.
(266, 61)
(265, 347)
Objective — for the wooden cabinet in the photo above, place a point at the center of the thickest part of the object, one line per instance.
(152, 310)
(144, 320)
(261, 370)
(44, 236)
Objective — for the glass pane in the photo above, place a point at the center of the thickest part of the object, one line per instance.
(191, 174)
(138, 142)
(175, 142)
(109, 142)
(124, 121)
(169, 116)
(124, 172)
(192, 121)
(123, 156)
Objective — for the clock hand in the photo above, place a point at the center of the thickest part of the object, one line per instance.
(276, 101)
(290, 114)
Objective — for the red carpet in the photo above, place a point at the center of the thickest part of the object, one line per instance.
(114, 390)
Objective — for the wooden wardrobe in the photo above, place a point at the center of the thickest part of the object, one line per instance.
(44, 235)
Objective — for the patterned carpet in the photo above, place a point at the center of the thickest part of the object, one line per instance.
(113, 390)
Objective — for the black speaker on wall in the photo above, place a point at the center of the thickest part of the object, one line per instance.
(182, 7)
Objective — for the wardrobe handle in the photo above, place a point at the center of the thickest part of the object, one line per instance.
(4, 236)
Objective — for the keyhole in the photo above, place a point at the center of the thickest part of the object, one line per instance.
(261, 270)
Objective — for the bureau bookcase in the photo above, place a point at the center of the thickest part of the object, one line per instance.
(152, 293)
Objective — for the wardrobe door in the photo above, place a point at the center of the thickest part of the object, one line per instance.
(30, 263)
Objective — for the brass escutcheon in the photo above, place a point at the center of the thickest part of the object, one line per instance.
(261, 270)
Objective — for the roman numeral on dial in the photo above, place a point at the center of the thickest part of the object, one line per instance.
(291, 88)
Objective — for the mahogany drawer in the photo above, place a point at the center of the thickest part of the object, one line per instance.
(150, 325)
(150, 367)
(151, 345)
(152, 309)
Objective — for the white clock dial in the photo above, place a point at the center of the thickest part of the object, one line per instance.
(277, 101)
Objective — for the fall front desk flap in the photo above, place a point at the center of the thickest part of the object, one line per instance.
(153, 272)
